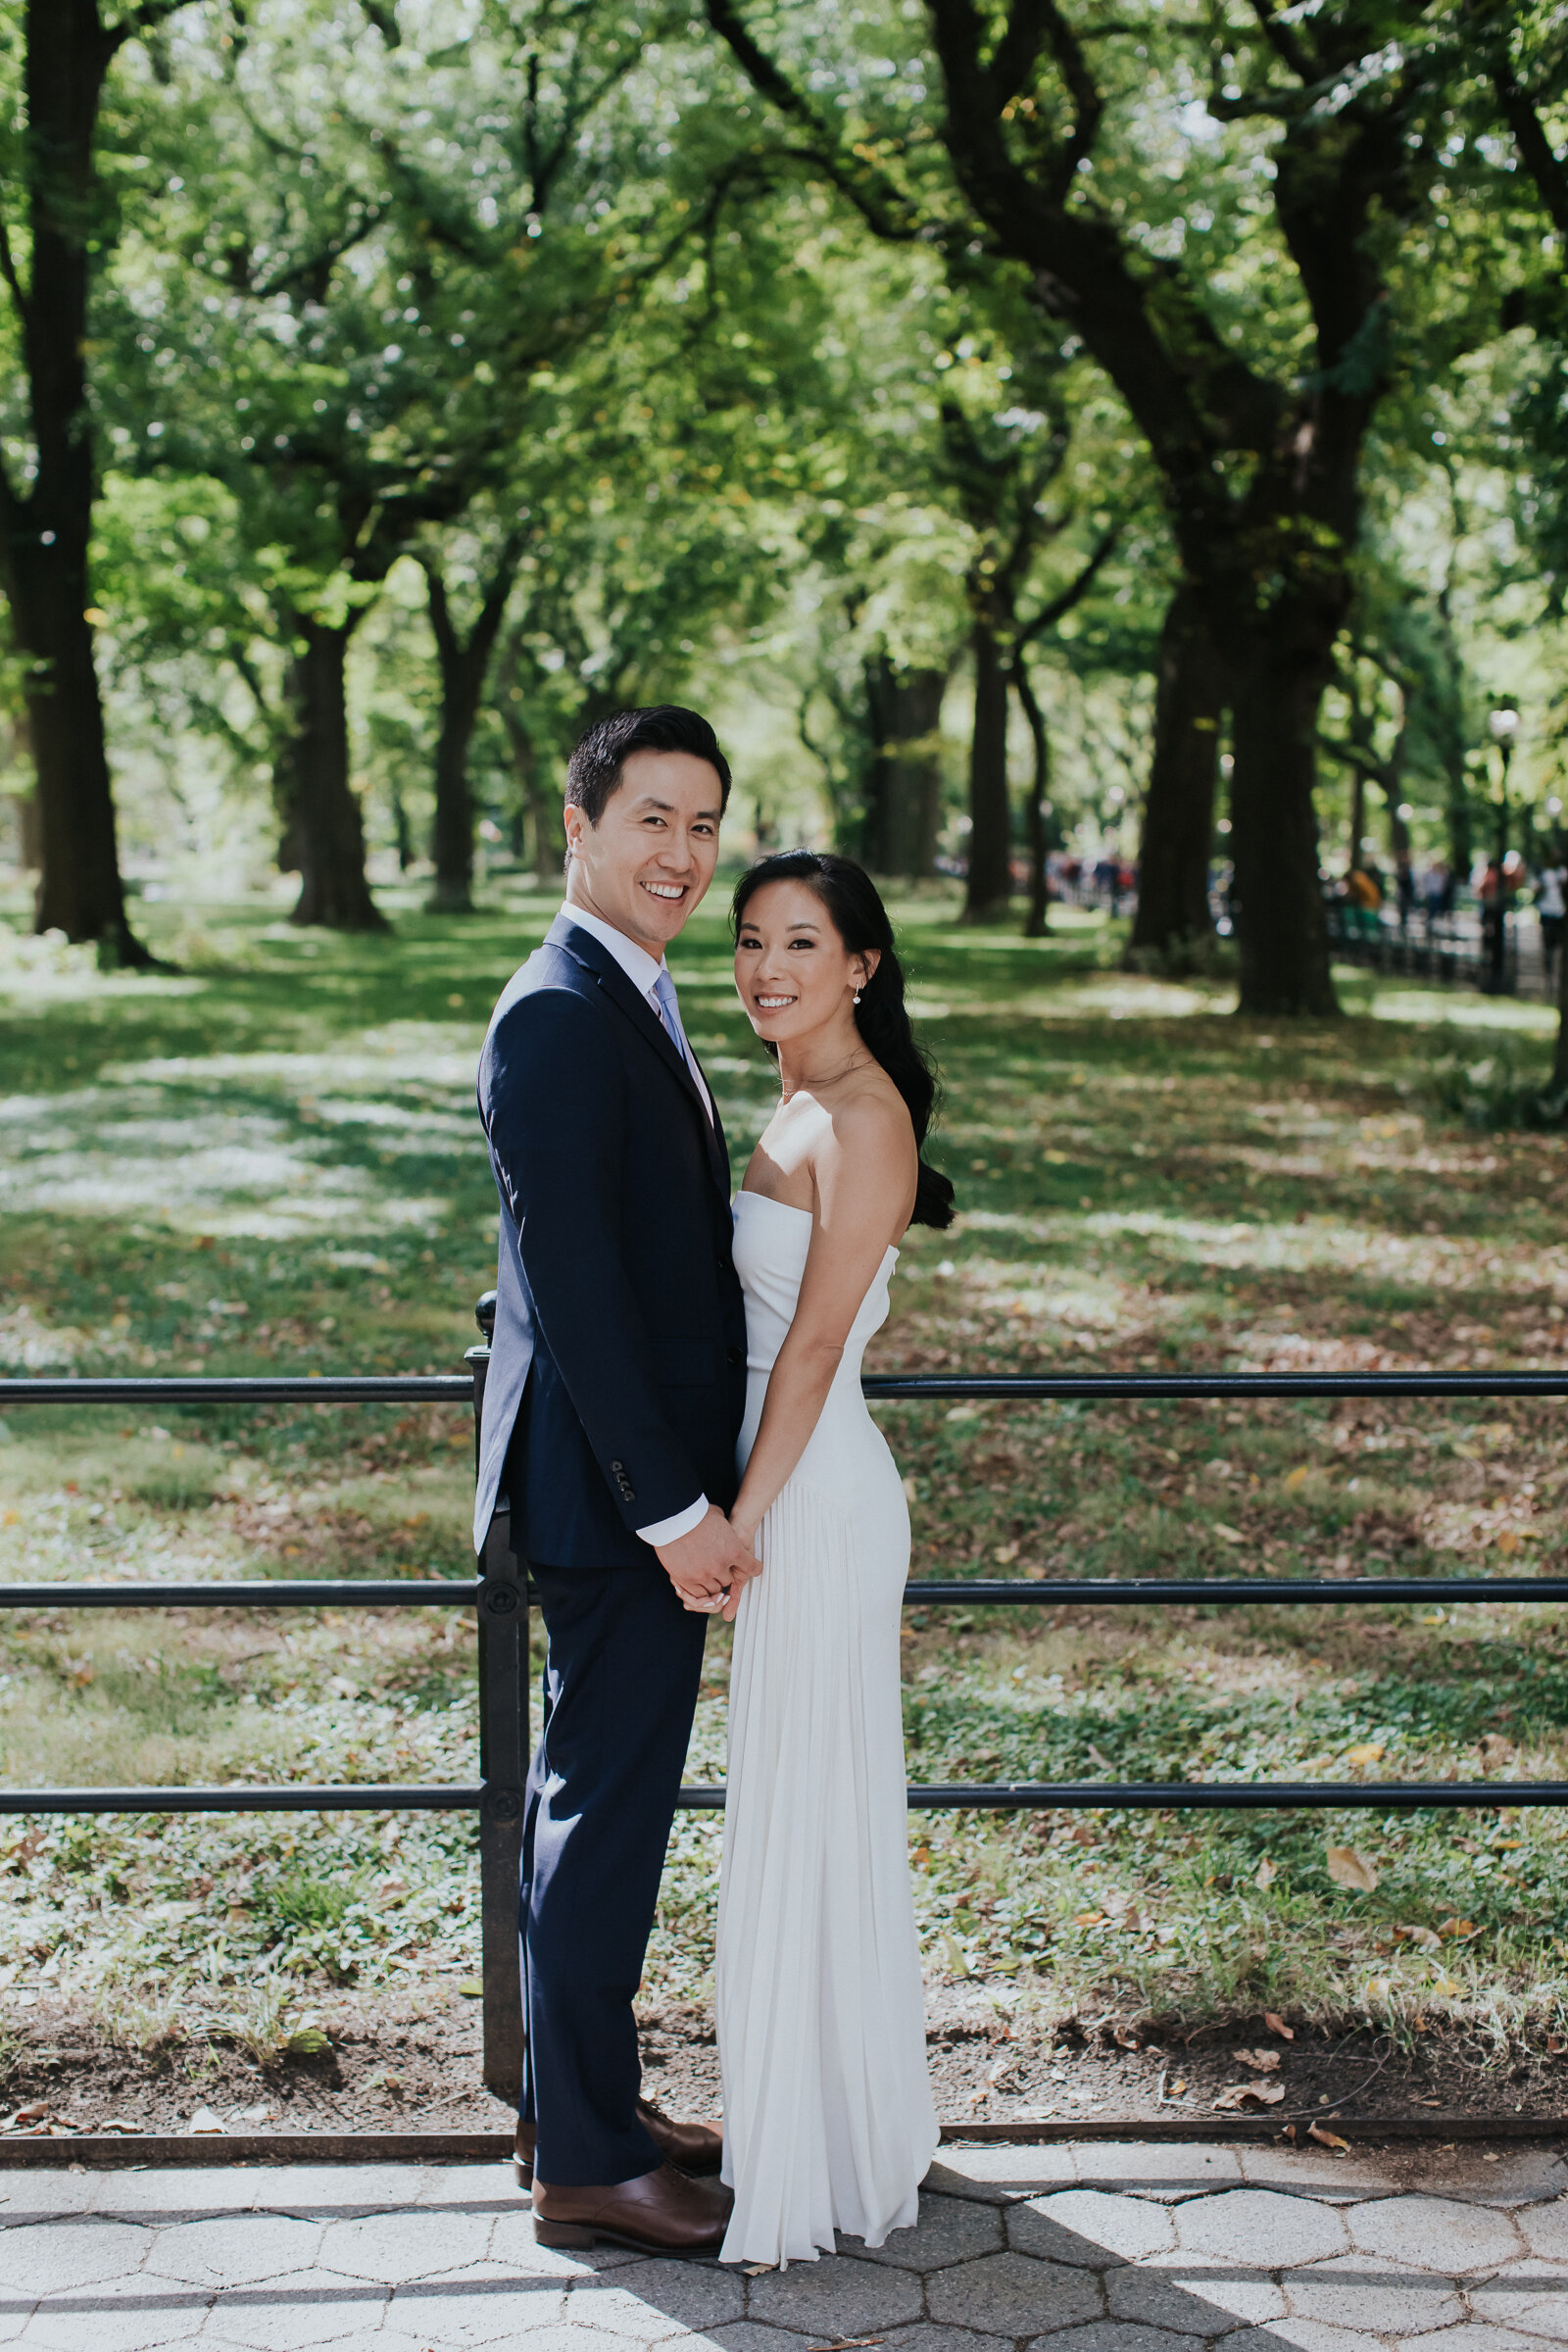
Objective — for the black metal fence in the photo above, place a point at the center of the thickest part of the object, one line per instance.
(500, 1596)
(1460, 949)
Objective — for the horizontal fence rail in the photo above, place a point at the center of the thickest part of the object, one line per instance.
(310, 1388)
(501, 1597)
(293, 1796)
(280, 1592)
(442, 1387)
(919, 1593)
(1180, 1797)
(1213, 1386)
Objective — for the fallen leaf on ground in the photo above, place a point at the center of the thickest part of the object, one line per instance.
(1265, 1874)
(1457, 1928)
(1296, 1477)
(1555, 2045)
(1494, 1748)
(1425, 1939)
(1326, 2139)
(1276, 2025)
(1347, 1868)
(1368, 1752)
(1230, 1534)
(1262, 2062)
(1259, 2094)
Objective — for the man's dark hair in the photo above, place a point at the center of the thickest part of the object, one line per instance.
(593, 771)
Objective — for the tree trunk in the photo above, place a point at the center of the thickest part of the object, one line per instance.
(1037, 921)
(903, 789)
(1560, 1064)
(29, 833)
(330, 832)
(401, 830)
(452, 828)
(1277, 685)
(1173, 924)
(44, 534)
(463, 673)
(548, 830)
(1357, 813)
(990, 886)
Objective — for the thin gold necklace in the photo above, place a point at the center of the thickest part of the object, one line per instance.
(808, 1085)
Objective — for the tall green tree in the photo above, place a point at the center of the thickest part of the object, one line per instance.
(1235, 281)
(368, 260)
(57, 227)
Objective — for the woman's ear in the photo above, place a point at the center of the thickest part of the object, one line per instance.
(868, 961)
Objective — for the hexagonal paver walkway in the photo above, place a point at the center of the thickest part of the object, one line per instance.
(1092, 2249)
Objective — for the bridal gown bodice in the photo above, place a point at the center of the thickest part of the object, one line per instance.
(771, 1241)
(828, 2117)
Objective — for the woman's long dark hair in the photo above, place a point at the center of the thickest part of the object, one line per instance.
(861, 920)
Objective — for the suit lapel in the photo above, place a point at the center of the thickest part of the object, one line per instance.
(595, 957)
(713, 1129)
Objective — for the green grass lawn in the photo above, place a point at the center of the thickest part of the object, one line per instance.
(269, 1160)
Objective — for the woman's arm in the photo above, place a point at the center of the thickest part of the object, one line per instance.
(863, 1178)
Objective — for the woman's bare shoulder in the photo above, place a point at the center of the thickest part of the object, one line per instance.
(872, 1118)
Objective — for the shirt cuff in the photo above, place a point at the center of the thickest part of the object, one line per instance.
(670, 1530)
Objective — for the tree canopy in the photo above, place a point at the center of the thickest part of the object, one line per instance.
(1024, 428)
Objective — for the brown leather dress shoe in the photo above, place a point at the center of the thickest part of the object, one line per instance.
(662, 2212)
(695, 2147)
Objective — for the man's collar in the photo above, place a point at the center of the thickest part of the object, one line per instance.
(640, 968)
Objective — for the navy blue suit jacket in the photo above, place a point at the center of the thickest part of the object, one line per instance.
(616, 1384)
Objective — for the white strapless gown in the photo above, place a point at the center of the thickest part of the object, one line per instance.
(828, 2117)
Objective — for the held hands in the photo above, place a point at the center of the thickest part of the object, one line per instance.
(710, 1567)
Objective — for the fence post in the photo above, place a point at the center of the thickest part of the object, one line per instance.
(503, 1619)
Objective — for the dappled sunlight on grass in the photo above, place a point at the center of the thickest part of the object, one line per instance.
(271, 1161)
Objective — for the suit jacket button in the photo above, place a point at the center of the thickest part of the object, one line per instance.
(733, 1355)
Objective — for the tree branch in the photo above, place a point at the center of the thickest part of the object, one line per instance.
(8, 270)
(1075, 591)
(882, 205)
(1535, 149)
(1083, 89)
(1282, 39)
(1014, 58)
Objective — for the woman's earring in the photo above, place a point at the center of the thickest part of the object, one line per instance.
(856, 995)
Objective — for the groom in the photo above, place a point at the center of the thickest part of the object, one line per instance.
(614, 1396)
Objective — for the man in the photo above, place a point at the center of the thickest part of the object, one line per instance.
(614, 1396)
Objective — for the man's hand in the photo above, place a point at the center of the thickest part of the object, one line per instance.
(710, 1567)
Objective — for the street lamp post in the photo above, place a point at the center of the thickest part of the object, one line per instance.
(1504, 724)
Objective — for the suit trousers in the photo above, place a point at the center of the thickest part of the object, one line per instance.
(622, 1667)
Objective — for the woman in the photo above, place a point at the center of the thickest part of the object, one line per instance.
(828, 2117)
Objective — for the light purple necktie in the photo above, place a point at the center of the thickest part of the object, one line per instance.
(670, 1013)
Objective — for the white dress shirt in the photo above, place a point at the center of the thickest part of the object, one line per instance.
(643, 971)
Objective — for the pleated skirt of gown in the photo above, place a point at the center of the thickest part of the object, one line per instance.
(829, 2122)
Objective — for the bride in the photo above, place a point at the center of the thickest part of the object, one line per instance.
(828, 2117)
